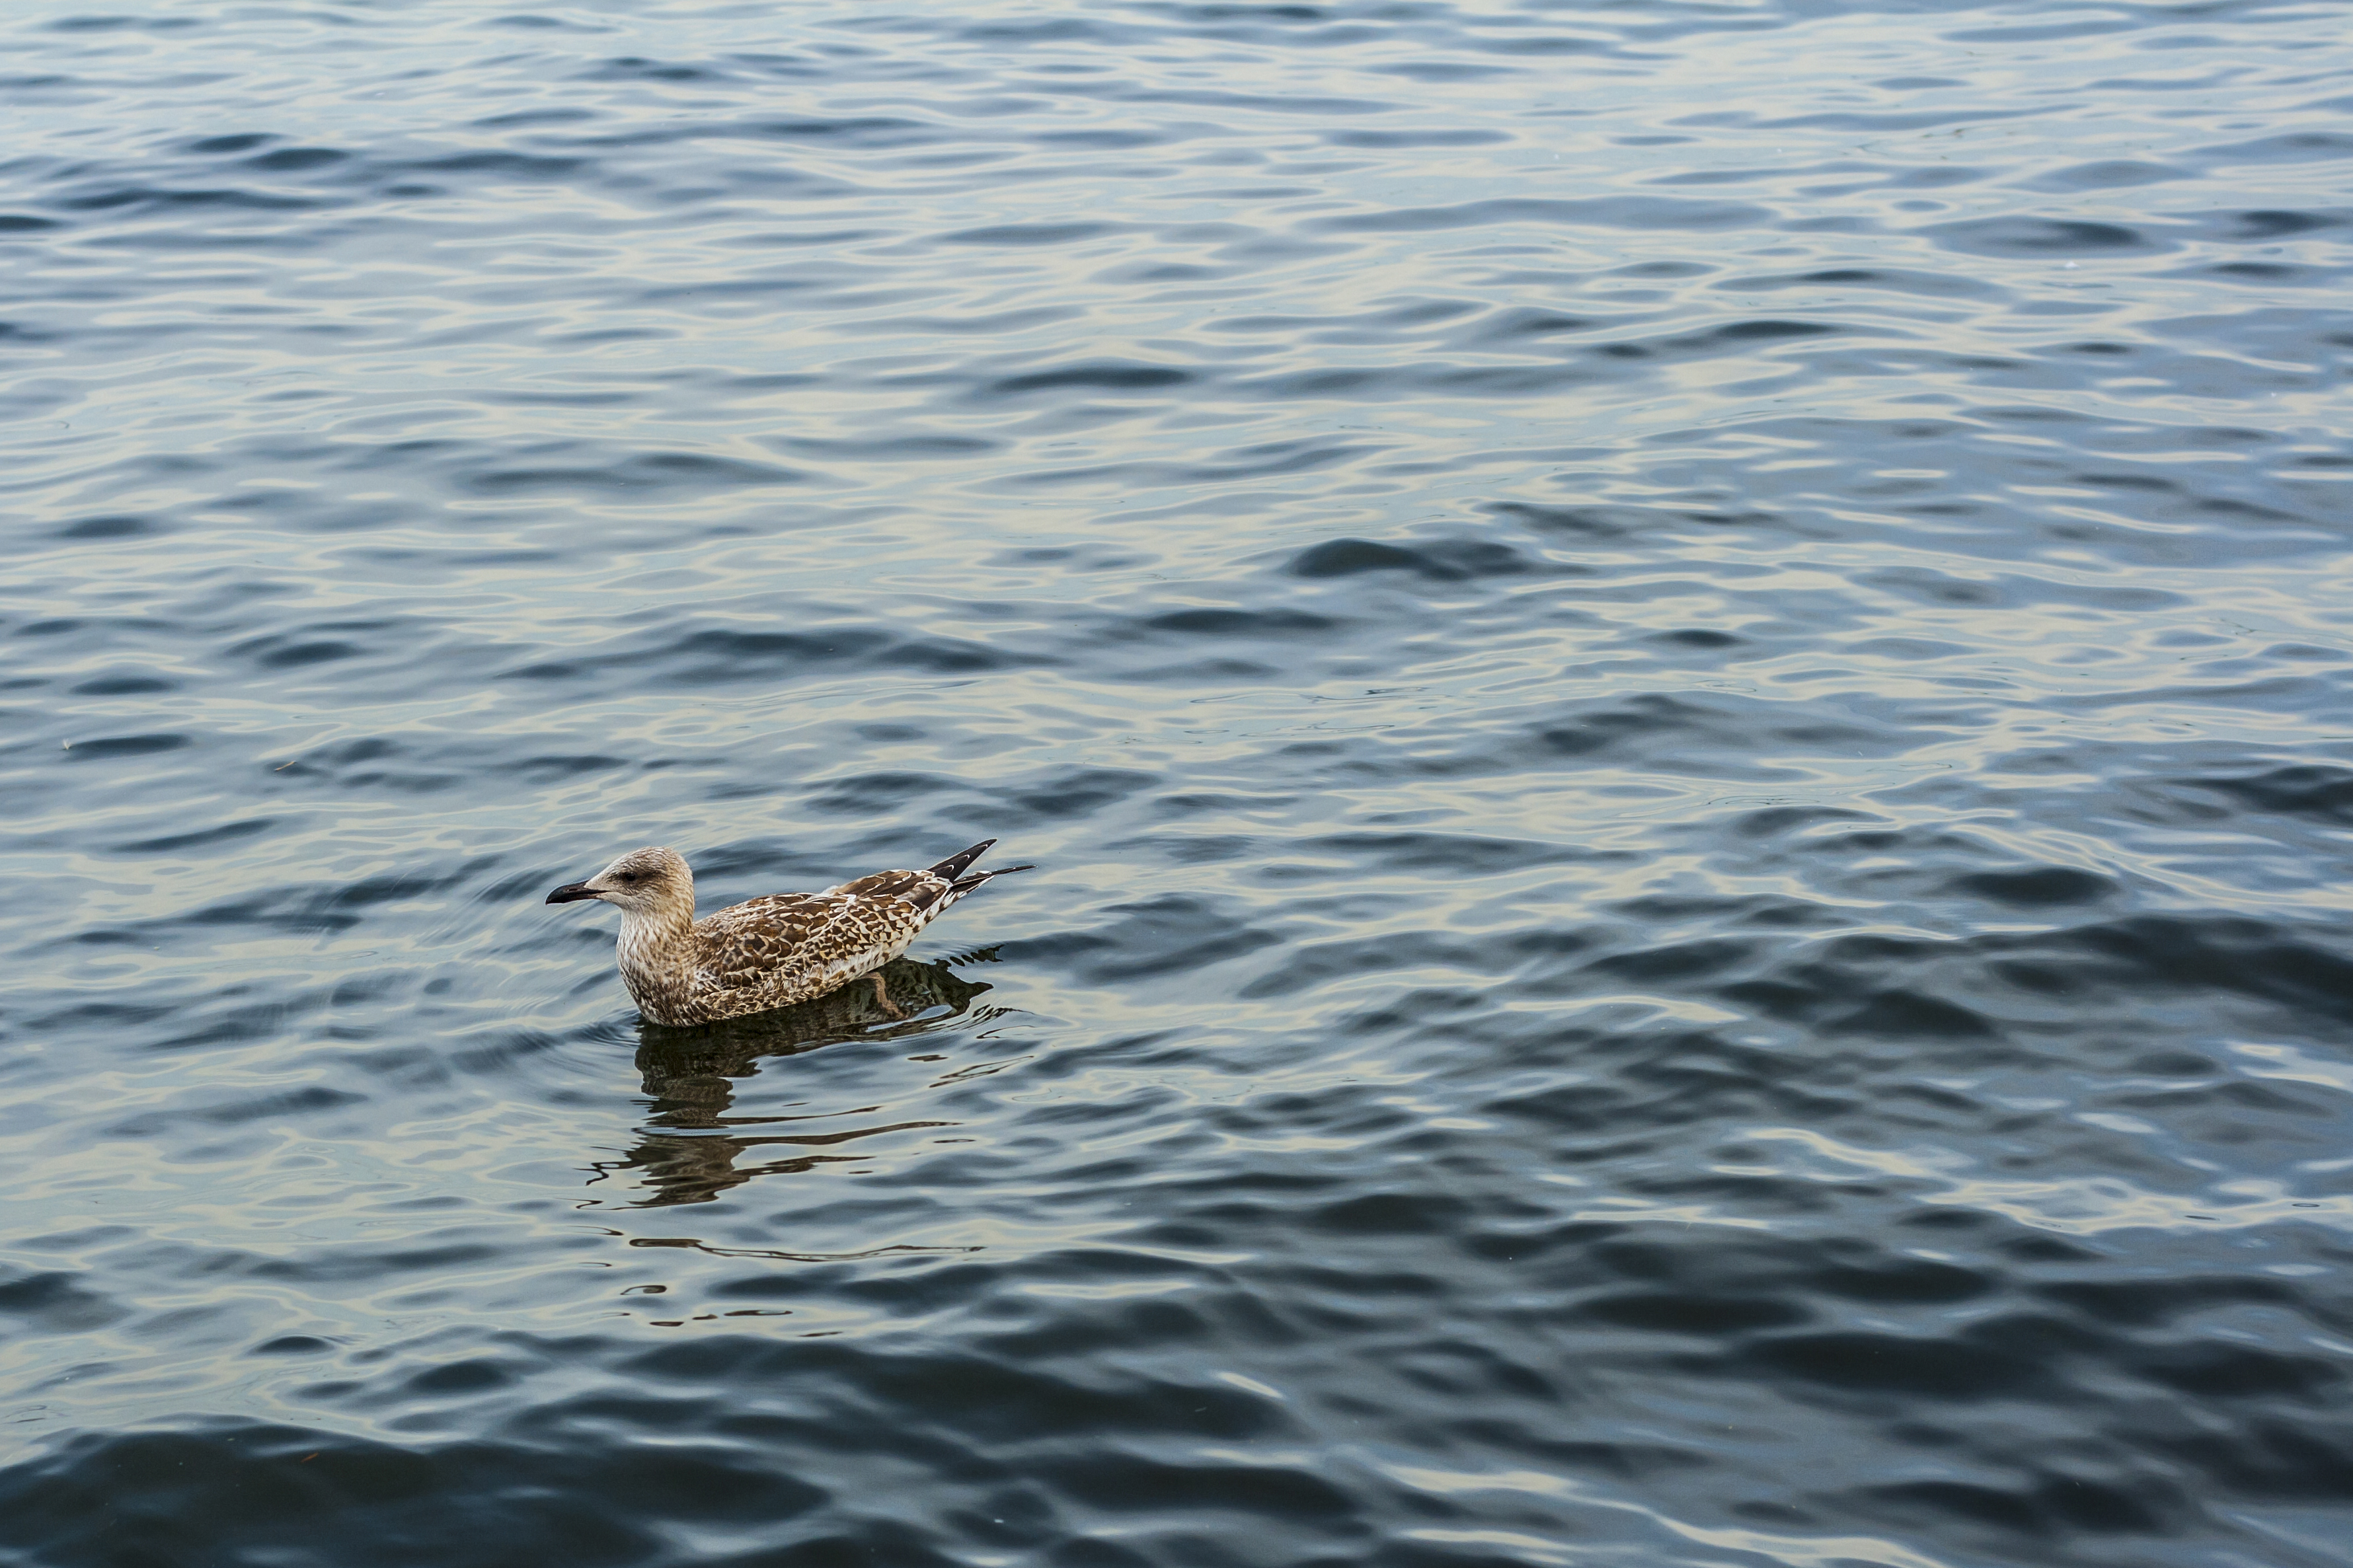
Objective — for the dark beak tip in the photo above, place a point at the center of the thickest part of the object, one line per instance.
(571, 892)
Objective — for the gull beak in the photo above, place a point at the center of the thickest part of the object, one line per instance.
(573, 892)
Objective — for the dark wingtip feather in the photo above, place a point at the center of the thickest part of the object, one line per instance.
(953, 866)
(969, 883)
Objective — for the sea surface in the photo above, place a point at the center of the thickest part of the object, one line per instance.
(1682, 674)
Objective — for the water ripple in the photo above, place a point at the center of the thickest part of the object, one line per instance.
(1680, 673)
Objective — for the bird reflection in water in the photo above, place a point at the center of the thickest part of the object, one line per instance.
(685, 1158)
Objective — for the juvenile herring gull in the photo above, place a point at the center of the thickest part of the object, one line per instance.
(763, 952)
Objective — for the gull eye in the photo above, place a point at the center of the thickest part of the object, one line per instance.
(625, 875)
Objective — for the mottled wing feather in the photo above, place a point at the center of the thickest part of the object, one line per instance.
(920, 888)
(765, 953)
(776, 909)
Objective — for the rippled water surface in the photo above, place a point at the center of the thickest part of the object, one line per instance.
(1679, 670)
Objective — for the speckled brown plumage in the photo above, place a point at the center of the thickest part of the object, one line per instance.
(763, 952)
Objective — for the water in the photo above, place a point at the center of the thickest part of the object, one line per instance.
(1680, 672)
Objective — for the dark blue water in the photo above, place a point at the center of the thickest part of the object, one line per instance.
(1680, 670)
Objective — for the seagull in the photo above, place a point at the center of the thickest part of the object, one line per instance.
(768, 952)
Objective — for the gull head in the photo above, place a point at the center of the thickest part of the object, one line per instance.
(650, 882)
